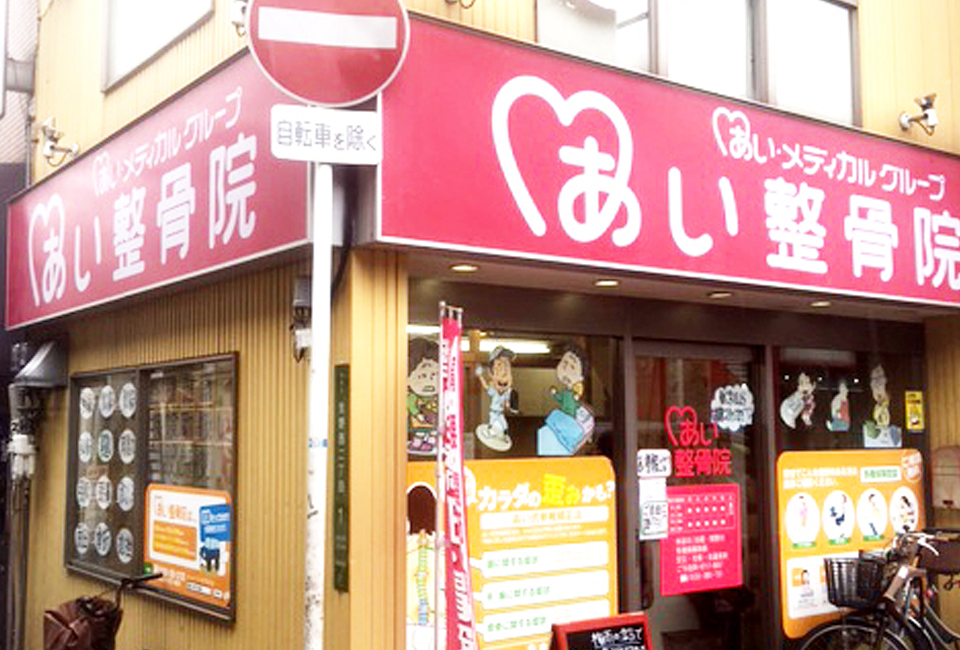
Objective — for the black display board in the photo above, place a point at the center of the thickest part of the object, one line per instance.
(621, 632)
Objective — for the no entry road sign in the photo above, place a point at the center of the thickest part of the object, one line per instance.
(329, 52)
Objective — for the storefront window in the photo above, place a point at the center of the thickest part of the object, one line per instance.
(830, 399)
(151, 478)
(524, 396)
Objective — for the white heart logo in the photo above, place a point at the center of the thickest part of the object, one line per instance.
(597, 218)
(54, 278)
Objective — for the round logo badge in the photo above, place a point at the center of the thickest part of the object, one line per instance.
(84, 492)
(125, 494)
(88, 400)
(85, 447)
(108, 401)
(105, 446)
(125, 545)
(128, 400)
(127, 446)
(81, 538)
(104, 492)
(102, 539)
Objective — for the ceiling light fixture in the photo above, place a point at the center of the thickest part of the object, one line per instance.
(819, 304)
(464, 268)
(719, 295)
(607, 282)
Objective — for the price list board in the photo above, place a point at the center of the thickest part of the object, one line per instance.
(621, 632)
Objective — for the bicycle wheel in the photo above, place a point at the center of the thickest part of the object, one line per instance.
(841, 635)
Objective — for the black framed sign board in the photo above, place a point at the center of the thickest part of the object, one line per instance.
(620, 632)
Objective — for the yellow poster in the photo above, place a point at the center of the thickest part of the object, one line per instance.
(833, 504)
(914, 406)
(543, 547)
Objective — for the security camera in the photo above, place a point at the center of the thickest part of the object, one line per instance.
(927, 119)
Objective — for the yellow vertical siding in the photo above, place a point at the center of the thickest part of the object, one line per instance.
(943, 413)
(249, 314)
(369, 334)
(910, 49)
(516, 18)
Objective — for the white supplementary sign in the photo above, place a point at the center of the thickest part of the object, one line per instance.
(325, 135)
(328, 29)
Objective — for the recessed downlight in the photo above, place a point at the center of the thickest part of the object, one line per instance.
(820, 304)
(606, 282)
(464, 268)
(719, 295)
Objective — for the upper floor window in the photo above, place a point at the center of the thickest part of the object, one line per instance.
(796, 54)
(138, 31)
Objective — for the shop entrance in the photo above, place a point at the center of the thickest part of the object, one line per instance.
(700, 553)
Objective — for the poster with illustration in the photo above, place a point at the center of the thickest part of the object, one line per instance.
(423, 372)
(570, 425)
(835, 504)
(497, 381)
(878, 431)
(189, 539)
(543, 548)
(840, 409)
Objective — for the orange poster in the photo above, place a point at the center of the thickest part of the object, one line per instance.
(188, 538)
(833, 504)
(543, 548)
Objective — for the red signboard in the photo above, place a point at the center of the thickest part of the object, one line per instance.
(530, 154)
(329, 52)
(703, 550)
(190, 189)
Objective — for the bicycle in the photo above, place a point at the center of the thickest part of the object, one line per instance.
(88, 622)
(888, 595)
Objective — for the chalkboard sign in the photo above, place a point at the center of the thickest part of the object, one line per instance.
(622, 632)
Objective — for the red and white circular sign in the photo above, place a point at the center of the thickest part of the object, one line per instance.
(329, 52)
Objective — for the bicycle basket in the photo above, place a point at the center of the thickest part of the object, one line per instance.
(854, 581)
(948, 560)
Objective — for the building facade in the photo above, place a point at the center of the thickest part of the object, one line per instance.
(188, 347)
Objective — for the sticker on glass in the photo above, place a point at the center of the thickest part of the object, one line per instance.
(108, 401)
(570, 425)
(732, 407)
(125, 545)
(127, 446)
(879, 431)
(88, 400)
(85, 447)
(104, 492)
(102, 539)
(840, 409)
(84, 492)
(128, 400)
(105, 446)
(125, 494)
(81, 538)
(497, 381)
(800, 403)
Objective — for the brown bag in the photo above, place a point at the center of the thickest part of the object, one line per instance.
(87, 623)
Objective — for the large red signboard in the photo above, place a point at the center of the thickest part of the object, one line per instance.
(530, 154)
(188, 190)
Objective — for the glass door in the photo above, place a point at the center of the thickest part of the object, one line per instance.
(697, 433)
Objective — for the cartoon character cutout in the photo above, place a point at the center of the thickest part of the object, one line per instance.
(421, 548)
(570, 426)
(422, 397)
(878, 432)
(497, 380)
(840, 409)
(799, 404)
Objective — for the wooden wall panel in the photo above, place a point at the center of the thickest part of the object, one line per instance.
(69, 71)
(249, 314)
(516, 18)
(370, 335)
(943, 413)
(910, 49)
